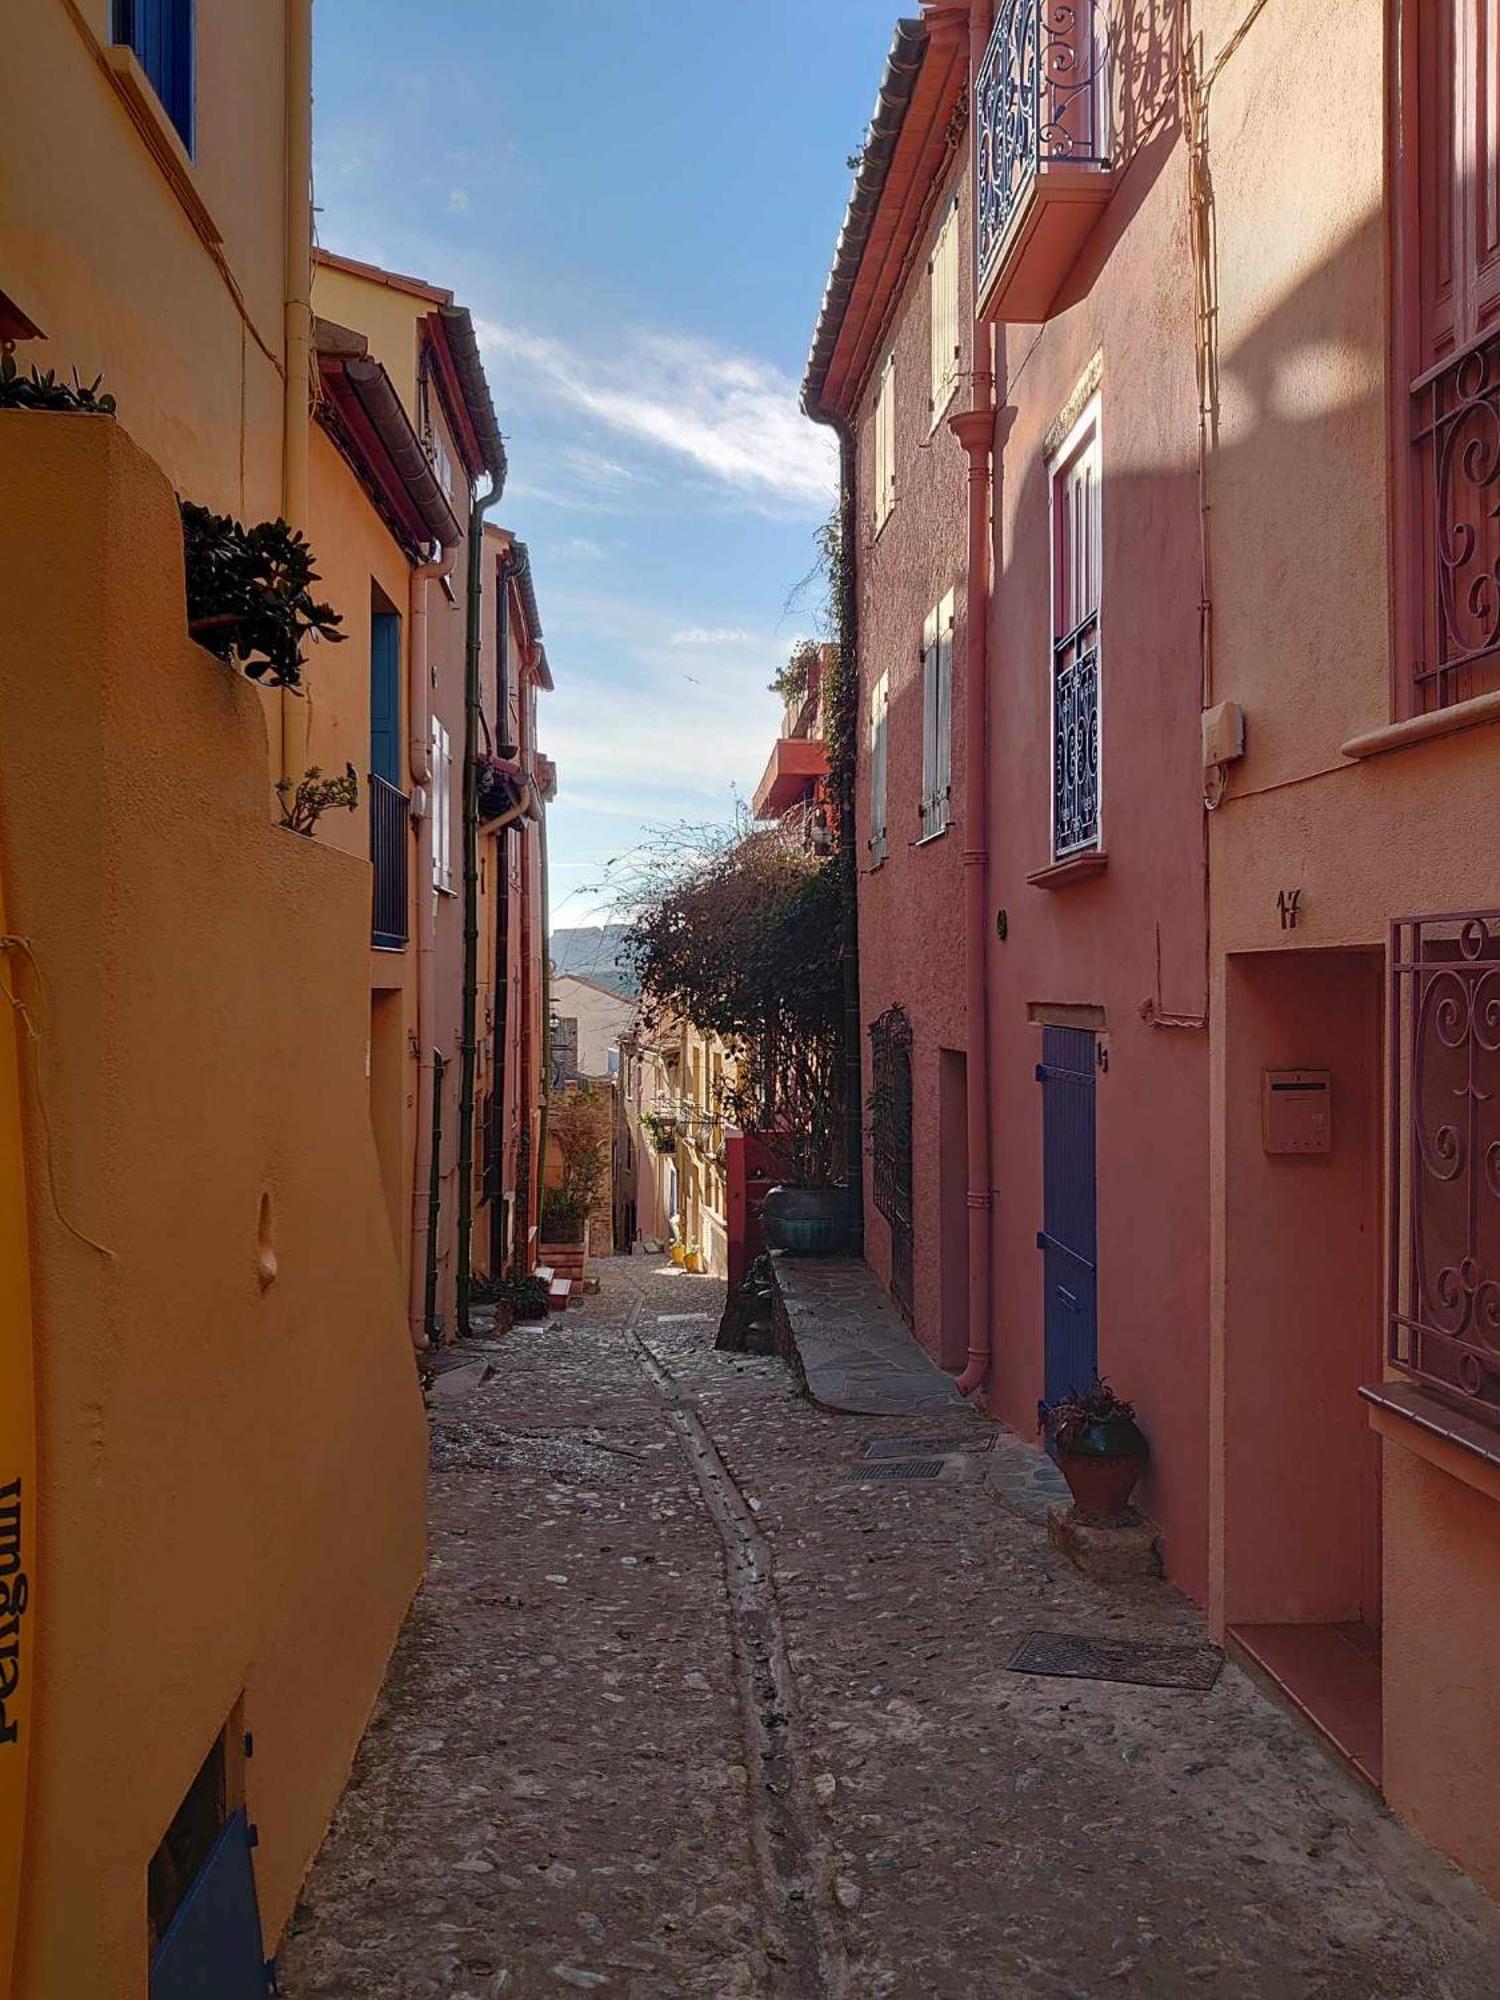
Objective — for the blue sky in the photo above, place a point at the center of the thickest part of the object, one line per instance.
(638, 201)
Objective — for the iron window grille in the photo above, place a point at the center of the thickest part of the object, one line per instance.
(1444, 1320)
(1456, 432)
(1075, 740)
(1041, 102)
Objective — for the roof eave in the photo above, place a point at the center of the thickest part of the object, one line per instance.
(893, 100)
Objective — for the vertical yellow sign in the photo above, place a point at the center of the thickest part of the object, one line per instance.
(17, 1483)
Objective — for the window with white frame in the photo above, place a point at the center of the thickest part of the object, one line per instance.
(880, 709)
(885, 441)
(937, 717)
(942, 270)
(1076, 572)
(442, 809)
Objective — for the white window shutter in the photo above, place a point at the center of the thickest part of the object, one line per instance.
(944, 312)
(929, 722)
(879, 712)
(942, 791)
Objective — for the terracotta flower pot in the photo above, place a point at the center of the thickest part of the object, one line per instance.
(1101, 1465)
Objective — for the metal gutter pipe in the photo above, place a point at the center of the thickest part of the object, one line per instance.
(419, 764)
(975, 430)
(468, 1028)
(297, 311)
(546, 1076)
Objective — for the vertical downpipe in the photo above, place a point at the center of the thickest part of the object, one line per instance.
(975, 430)
(468, 1031)
(297, 318)
(434, 1198)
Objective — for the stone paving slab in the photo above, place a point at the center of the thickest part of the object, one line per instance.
(854, 1350)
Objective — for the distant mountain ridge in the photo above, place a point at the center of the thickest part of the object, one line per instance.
(592, 951)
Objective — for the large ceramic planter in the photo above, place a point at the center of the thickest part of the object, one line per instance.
(1101, 1465)
(808, 1222)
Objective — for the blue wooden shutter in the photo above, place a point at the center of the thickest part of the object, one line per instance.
(160, 33)
(385, 696)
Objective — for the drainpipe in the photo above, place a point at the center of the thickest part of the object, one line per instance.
(419, 764)
(504, 747)
(469, 1037)
(297, 314)
(521, 1249)
(847, 613)
(975, 430)
(546, 966)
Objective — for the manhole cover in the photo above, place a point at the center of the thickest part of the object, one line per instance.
(915, 1447)
(899, 1468)
(1135, 1661)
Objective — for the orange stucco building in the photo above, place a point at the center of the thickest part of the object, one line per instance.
(1199, 575)
(211, 1138)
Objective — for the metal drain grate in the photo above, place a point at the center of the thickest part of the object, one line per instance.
(1073, 1656)
(899, 1468)
(920, 1447)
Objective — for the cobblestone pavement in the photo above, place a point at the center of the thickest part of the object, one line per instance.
(614, 1755)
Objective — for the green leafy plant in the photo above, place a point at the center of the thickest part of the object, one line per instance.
(32, 390)
(791, 680)
(304, 804)
(579, 1124)
(527, 1297)
(662, 1131)
(1077, 1411)
(563, 1217)
(249, 594)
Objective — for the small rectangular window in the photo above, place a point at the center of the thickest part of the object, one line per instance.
(880, 706)
(937, 718)
(1077, 567)
(160, 35)
(442, 809)
(885, 442)
(943, 277)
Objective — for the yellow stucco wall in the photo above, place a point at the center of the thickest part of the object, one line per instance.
(231, 1469)
(384, 314)
(18, 1597)
(101, 251)
(354, 551)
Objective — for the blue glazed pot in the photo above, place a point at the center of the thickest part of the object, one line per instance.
(807, 1222)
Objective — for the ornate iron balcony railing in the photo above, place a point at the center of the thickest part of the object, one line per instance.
(1444, 1175)
(1075, 741)
(1041, 102)
(390, 857)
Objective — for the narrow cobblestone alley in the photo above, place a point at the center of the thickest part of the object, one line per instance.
(587, 1772)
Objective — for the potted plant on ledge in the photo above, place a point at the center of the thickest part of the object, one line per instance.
(1100, 1449)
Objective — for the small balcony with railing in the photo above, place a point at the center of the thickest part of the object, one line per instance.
(390, 859)
(1042, 151)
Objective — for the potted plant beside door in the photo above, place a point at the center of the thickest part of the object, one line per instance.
(1100, 1449)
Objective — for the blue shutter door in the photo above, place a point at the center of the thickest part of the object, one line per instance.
(160, 32)
(213, 1949)
(1068, 1238)
(385, 696)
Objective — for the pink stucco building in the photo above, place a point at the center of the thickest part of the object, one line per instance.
(1171, 423)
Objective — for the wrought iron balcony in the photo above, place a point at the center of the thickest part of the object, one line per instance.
(390, 856)
(1042, 151)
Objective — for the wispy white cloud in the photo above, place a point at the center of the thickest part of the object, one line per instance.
(578, 548)
(713, 635)
(458, 200)
(727, 415)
